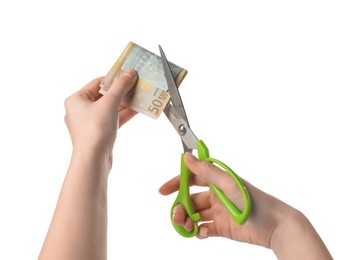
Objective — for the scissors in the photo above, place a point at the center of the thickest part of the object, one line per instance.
(176, 114)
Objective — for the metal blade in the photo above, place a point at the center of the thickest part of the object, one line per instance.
(172, 88)
(189, 140)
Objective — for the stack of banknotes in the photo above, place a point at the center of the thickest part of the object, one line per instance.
(150, 95)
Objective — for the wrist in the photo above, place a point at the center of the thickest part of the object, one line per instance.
(296, 238)
(92, 158)
(289, 222)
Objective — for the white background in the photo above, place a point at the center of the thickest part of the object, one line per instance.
(261, 91)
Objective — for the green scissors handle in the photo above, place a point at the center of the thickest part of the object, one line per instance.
(184, 197)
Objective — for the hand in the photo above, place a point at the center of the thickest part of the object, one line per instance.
(93, 119)
(78, 228)
(211, 209)
(272, 223)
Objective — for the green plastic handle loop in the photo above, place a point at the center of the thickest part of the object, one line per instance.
(184, 197)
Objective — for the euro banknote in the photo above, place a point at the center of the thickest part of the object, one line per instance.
(150, 95)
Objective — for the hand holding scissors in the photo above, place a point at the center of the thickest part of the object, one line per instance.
(176, 114)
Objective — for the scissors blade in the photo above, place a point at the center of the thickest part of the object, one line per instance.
(188, 138)
(172, 87)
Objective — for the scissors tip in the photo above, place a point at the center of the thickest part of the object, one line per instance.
(161, 50)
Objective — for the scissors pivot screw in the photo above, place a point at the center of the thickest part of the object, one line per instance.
(182, 129)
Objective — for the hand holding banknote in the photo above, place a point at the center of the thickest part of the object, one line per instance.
(150, 95)
(78, 229)
(88, 125)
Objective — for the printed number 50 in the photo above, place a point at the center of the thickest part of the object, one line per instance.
(154, 108)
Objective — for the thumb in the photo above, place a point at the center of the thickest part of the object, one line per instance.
(207, 171)
(121, 85)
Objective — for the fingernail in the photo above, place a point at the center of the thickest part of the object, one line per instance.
(188, 227)
(190, 157)
(203, 232)
(173, 212)
(130, 73)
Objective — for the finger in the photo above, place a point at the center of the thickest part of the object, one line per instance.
(208, 171)
(170, 186)
(173, 184)
(179, 215)
(189, 225)
(206, 214)
(125, 114)
(207, 230)
(121, 85)
(91, 90)
(180, 218)
(203, 232)
(201, 200)
(201, 204)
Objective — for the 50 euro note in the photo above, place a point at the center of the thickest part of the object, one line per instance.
(150, 95)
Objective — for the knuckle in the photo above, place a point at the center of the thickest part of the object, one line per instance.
(124, 80)
(206, 166)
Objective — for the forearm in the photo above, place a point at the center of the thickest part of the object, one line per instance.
(297, 239)
(79, 226)
(284, 229)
